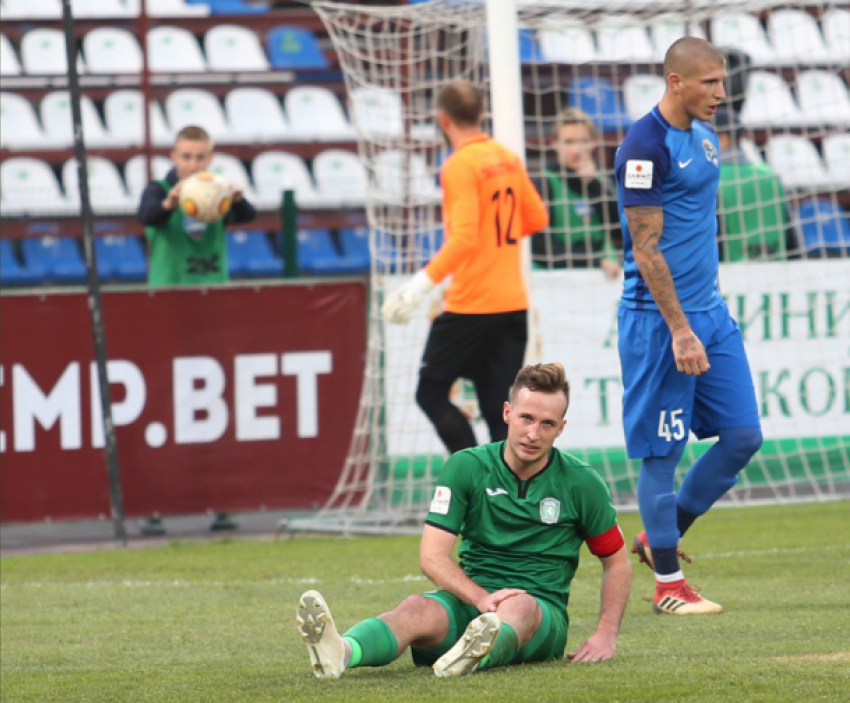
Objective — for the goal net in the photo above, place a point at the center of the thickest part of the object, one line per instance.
(783, 226)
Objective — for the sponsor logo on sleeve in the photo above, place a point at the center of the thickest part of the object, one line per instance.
(441, 501)
(638, 174)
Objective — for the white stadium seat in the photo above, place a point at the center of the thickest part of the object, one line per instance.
(30, 188)
(667, 29)
(748, 146)
(9, 64)
(796, 161)
(43, 53)
(836, 155)
(402, 178)
(769, 102)
(742, 31)
(232, 48)
(169, 8)
(277, 171)
(796, 37)
(823, 98)
(622, 41)
(340, 177)
(135, 174)
(642, 92)
(191, 106)
(19, 125)
(122, 110)
(110, 50)
(255, 114)
(106, 189)
(836, 32)
(31, 10)
(232, 170)
(174, 50)
(315, 113)
(55, 110)
(571, 45)
(94, 9)
(377, 112)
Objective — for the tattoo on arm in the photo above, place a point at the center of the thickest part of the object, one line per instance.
(646, 223)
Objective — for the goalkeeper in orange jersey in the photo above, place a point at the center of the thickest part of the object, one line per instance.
(489, 204)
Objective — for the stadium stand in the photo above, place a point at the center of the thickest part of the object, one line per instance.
(111, 50)
(340, 178)
(106, 187)
(295, 48)
(14, 272)
(250, 255)
(232, 48)
(174, 50)
(59, 257)
(119, 258)
(315, 113)
(824, 228)
(9, 64)
(256, 114)
(574, 45)
(277, 171)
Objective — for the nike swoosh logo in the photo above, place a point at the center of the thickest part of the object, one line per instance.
(496, 492)
(683, 165)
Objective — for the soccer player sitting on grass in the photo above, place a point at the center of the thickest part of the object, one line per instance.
(523, 509)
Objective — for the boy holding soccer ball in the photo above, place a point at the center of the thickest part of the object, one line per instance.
(184, 250)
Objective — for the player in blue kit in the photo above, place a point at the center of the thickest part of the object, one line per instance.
(682, 355)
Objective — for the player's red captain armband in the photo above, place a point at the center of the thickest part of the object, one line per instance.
(607, 543)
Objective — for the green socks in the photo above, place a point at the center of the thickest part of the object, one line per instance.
(372, 643)
(504, 651)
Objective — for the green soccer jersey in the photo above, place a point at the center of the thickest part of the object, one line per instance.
(521, 534)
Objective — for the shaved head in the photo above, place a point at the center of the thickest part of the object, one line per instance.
(689, 53)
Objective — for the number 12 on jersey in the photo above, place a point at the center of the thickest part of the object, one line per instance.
(509, 199)
(671, 427)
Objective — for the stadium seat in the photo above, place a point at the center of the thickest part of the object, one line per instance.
(315, 113)
(13, 272)
(669, 29)
(110, 50)
(836, 32)
(340, 178)
(249, 253)
(19, 126)
(824, 228)
(55, 109)
(642, 92)
(768, 102)
(234, 7)
(59, 257)
(9, 64)
(751, 151)
(796, 37)
(402, 178)
(823, 98)
(192, 106)
(377, 112)
(836, 155)
(796, 161)
(121, 258)
(229, 47)
(355, 248)
(106, 189)
(31, 9)
(43, 53)
(570, 45)
(429, 245)
(620, 41)
(294, 48)
(528, 49)
(320, 256)
(255, 115)
(169, 8)
(742, 31)
(234, 172)
(29, 188)
(135, 174)
(277, 171)
(122, 110)
(599, 99)
(174, 50)
(100, 9)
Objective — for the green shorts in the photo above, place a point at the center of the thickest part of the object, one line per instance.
(548, 643)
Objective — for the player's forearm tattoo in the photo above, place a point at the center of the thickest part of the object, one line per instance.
(646, 223)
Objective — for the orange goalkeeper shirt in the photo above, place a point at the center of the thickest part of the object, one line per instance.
(489, 204)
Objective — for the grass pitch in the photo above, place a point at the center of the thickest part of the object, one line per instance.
(215, 621)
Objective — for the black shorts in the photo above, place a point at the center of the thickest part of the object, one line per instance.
(486, 349)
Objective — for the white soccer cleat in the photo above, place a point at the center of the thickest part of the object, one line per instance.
(317, 629)
(475, 644)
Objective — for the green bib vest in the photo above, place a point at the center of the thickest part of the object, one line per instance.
(185, 252)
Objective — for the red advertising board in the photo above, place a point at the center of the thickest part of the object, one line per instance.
(226, 399)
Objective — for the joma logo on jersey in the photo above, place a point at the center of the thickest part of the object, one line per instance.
(550, 511)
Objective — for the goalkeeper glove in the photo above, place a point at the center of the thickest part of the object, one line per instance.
(400, 304)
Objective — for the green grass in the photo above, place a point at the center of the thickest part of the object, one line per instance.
(214, 621)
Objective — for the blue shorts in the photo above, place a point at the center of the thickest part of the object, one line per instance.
(660, 404)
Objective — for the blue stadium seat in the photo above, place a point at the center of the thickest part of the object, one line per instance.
(429, 244)
(294, 48)
(599, 99)
(320, 256)
(355, 248)
(59, 257)
(250, 254)
(232, 7)
(824, 227)
(121, 258)
(529, 52)
(13, 272)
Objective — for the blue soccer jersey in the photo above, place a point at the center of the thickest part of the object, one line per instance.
(679, 170)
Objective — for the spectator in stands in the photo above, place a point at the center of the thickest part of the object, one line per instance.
(752, 217)
(183, 251)
(584, 226)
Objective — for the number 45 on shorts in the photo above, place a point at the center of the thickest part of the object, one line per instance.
(671, 427)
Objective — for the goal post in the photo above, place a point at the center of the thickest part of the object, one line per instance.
(783, 202)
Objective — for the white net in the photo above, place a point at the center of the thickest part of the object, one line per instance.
(784, 230)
